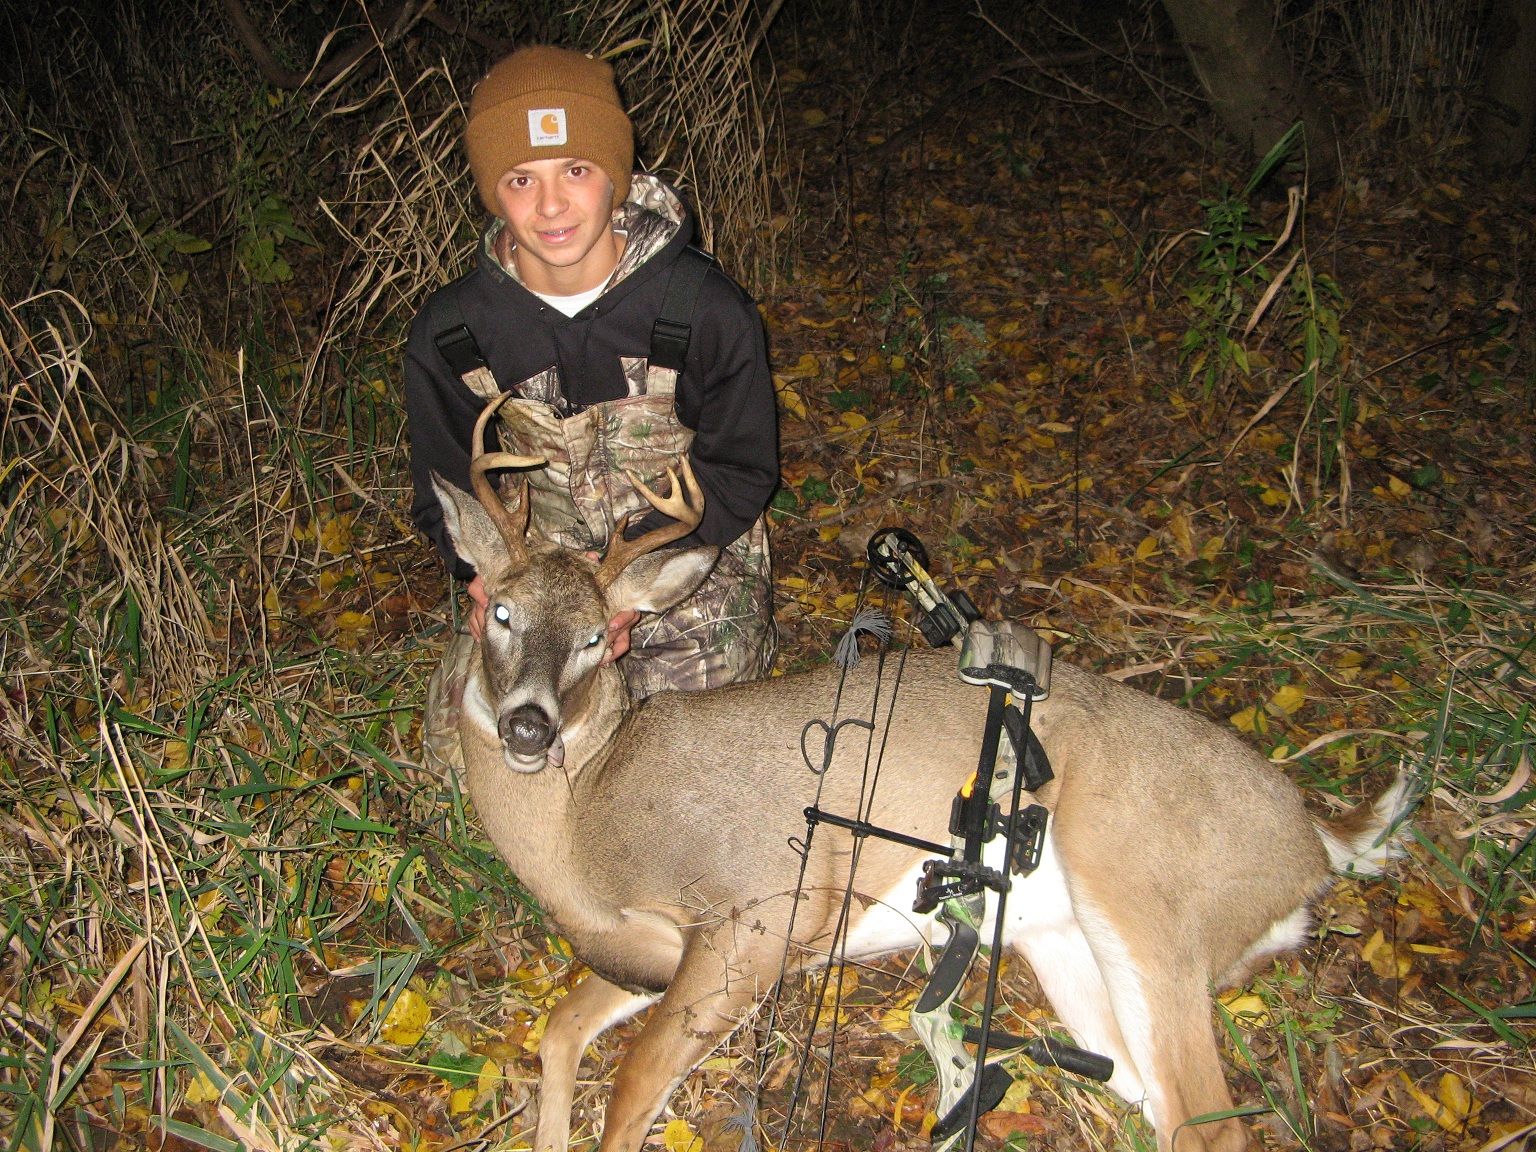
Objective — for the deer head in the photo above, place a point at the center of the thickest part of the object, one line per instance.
(541, 679)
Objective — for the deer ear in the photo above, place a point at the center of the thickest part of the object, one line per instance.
(658, 580)
(474, 534)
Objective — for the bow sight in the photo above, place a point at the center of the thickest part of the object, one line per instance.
(1015, 668)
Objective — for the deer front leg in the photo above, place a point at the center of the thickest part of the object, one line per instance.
(710, 994)
(591, 1008)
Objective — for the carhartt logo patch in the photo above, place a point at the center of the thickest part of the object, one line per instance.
(546, 127)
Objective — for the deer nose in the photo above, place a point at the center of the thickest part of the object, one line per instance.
(526, 730)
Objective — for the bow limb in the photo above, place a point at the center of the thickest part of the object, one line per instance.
(933, 1016)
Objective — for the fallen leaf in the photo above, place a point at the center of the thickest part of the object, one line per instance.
(679, 1137)
(1002, 1126)
(1288, 700)
(1247, 1006)
(407, 1019)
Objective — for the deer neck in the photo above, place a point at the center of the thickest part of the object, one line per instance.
(536, 818)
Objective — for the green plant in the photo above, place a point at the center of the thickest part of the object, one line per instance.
(1251, 316)
(927, 345)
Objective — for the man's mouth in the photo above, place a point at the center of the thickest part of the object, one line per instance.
(557, 235)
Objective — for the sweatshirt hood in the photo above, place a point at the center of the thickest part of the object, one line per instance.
(653, 219)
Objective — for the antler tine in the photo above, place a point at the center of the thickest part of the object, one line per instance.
(684, 504)
(513, 529)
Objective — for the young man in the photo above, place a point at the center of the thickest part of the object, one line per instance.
(584, 256)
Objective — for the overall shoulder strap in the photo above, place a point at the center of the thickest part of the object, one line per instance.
(674, 327)
(456, 343)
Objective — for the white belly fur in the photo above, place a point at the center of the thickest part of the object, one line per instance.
(1038, 904)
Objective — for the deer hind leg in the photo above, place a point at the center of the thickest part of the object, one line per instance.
(587, 1011)
(1162, 1005)
(710, 994)
(1044, 929)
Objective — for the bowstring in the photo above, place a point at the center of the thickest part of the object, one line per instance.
(837, 951)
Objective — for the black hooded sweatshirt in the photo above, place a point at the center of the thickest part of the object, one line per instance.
(724, 393)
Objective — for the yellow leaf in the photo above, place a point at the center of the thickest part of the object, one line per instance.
(1288, 699)
(461, 1100)
(1211, 549)
(490, 1076)
(270, 602)
(896, 1020)
(1437, 1109)
(679, 1137)
(202, 1090)
(1246, 1006)
(1147, 548)
(807, 365)
(1397, 487)
(211, 903)
(1454, 1095)
(354, 621)
(1273, 497)
(535, 1035)
(176, 754)
(813, 117)
(1388, 962)
(1373, 945)
(1246, 720)
(336, 534)
(791, 401)
(854, 420)
(1017, 1098)
(1183, 535)
(1056, 427)
(407, 1019)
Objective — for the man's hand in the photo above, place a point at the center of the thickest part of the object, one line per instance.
(618, 634)
(479, 601)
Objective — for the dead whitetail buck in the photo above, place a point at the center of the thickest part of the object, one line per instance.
(655, 835)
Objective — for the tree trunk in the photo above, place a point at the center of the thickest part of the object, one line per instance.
(1504, 124)
(1247, 73)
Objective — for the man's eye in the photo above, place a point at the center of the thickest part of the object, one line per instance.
(577, 170)
(501, 614)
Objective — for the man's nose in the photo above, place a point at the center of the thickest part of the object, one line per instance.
(551, 199)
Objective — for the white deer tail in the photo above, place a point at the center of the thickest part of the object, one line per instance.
(1368, 837)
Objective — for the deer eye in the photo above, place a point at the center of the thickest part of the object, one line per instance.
(595, 639)
(501, 614)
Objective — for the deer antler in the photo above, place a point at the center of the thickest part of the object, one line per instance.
(513, 528)
(685, 507)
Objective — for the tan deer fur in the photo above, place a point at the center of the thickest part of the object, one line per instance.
(656, 838)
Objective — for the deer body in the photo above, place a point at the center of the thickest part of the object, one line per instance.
(657, 838)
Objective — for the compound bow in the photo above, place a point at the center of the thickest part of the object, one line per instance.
(1015, 668)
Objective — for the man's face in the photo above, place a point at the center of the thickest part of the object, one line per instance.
(559, 212)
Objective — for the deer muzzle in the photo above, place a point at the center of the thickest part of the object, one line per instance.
(526, 730)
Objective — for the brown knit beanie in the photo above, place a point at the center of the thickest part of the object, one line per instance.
(548, 103)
